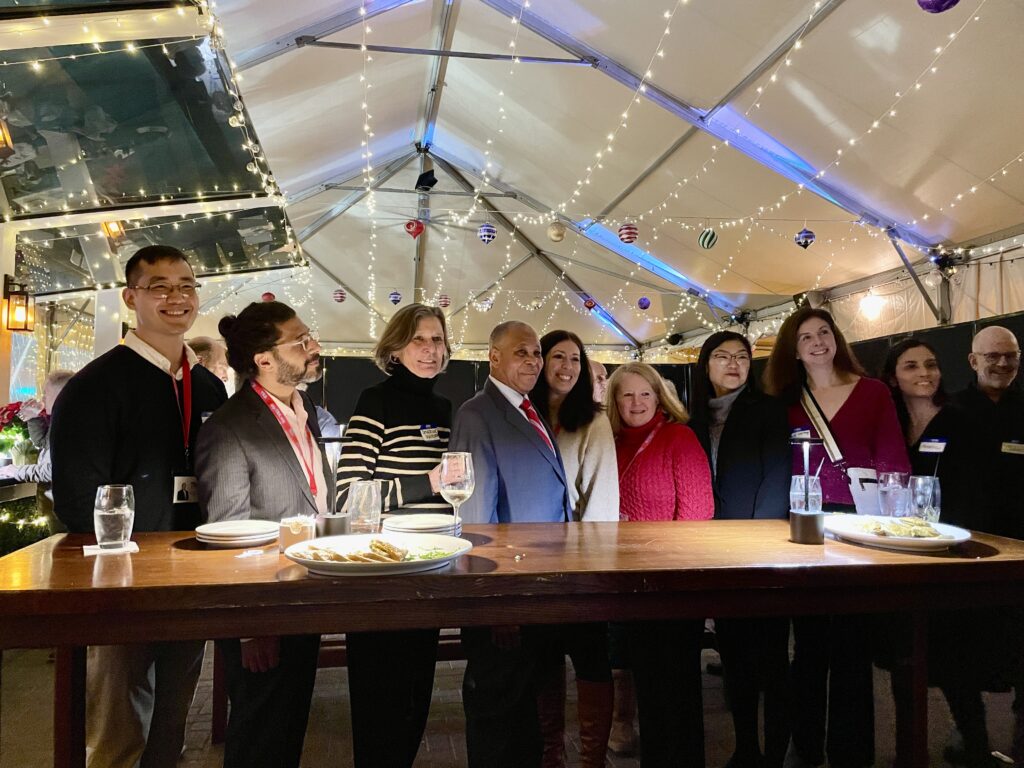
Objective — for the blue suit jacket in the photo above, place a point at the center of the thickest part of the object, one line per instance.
(518, 478)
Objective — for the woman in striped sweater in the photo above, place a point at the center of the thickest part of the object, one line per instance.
(397, 434)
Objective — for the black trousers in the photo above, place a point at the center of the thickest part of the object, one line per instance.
(665, 658)
(832, 672)
(755, 658)
(499, 696)
(586, 645)
(390, 681)
(269, 710)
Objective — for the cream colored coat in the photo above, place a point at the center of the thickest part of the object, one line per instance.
(591, 470)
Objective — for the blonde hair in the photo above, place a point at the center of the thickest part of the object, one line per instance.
(401, 329)
(667, 401)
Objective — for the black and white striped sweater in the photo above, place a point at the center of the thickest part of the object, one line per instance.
(397, 434)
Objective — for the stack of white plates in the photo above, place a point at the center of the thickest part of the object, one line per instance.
(424, 523)
(230, 534)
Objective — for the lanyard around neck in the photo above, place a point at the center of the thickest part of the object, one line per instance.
(275, 409)
(184, 401)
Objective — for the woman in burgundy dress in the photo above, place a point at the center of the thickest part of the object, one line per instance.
(832, 654)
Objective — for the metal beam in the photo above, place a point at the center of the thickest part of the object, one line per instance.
(444, 28)
(486, 290)
(353, 198)
(942, 319)
(302, 42)
(346, 176)
(329, 26)
(397, 191)
(423, 214)
(601, 237)
(352, 294)
(538, 254)
(771, 60)
(799, 173)
(610, 273)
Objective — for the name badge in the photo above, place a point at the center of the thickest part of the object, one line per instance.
(429, 433)
(801, 434)
(185, 490)
(935, 445)
(1014, 447)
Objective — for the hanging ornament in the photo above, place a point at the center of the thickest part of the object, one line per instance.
(484, 304)
(556, 231)
(487, 233)
(628, 232)
(707, 238)
(414, 228)
(394, 297)
(644, 303)
(537, 303)
(340, 295)
(804, 238)
(589, 303)
(268, 296)
(936, 6)
(444, 301)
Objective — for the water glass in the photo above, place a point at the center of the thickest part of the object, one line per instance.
(926, 497)
(363, 506)
(114, 515)
(893, 494)
(797, 498)
(457, 479)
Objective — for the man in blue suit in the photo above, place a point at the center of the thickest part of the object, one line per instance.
(519, 479)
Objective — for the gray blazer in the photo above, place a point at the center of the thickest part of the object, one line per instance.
(246, 467)
(519, 479)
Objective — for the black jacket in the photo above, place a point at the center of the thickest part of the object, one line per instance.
(754, 458)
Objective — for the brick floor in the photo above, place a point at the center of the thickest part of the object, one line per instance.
(26, 714)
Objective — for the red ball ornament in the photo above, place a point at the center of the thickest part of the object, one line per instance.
(444, 301)
(268, 296)
(589, 303)
(340, 295)
(628, 232)
(414, 228)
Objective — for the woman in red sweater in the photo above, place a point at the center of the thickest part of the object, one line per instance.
(663, 475)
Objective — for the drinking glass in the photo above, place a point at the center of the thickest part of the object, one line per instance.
(893, 493)
(364, 506)
(114, 515)
(796, 494)
(925, 497)
(457, 481)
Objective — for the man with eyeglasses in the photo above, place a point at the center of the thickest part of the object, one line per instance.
(133, 416)
(258, 459)
(994, 409)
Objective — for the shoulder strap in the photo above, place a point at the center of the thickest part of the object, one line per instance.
(820, 422)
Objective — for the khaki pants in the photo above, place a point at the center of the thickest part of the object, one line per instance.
(138, 698)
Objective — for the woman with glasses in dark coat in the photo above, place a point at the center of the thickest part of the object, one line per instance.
(745, 434)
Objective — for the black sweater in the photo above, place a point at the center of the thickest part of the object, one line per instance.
(117, 421)
(397, 434)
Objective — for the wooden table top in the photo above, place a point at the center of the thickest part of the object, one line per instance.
(176, 588)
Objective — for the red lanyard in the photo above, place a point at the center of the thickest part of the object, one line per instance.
(268, 399)
(186, 395)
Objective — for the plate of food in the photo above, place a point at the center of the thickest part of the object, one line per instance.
(909, 534)
(371, 554)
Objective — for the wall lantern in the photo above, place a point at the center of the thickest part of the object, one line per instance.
(19, 312)
(6, 142)
(114, 230)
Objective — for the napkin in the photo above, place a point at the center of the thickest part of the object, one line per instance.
(94, 549)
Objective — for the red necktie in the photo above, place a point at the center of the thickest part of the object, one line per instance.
(531, 414)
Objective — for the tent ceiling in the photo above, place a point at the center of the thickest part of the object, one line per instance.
(526, 137)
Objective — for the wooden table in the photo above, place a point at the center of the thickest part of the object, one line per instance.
(176, 589)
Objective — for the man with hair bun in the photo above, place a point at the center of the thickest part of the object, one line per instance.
(258, 459)
(133, 416)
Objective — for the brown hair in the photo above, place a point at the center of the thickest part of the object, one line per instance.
(669, 403)
(785, 375)
(401, 329)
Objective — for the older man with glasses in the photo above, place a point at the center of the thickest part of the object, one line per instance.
(133, 416)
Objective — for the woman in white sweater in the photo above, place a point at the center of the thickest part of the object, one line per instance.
(564, 394)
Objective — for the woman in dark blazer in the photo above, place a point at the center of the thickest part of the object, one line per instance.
(745, 434)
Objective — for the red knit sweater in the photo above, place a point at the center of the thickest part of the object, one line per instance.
(669, 479)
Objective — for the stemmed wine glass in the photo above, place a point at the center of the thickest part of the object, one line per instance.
(457, 481)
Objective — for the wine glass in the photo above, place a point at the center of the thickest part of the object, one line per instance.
(457, 481)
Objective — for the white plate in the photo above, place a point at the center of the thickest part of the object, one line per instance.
(414, 542)
(850, 528)
(238, 529)
(420, 523)
(238, 543)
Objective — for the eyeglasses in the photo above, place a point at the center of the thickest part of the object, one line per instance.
(724, 358)
(306, 340)
(162, 290)
(994, 358)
